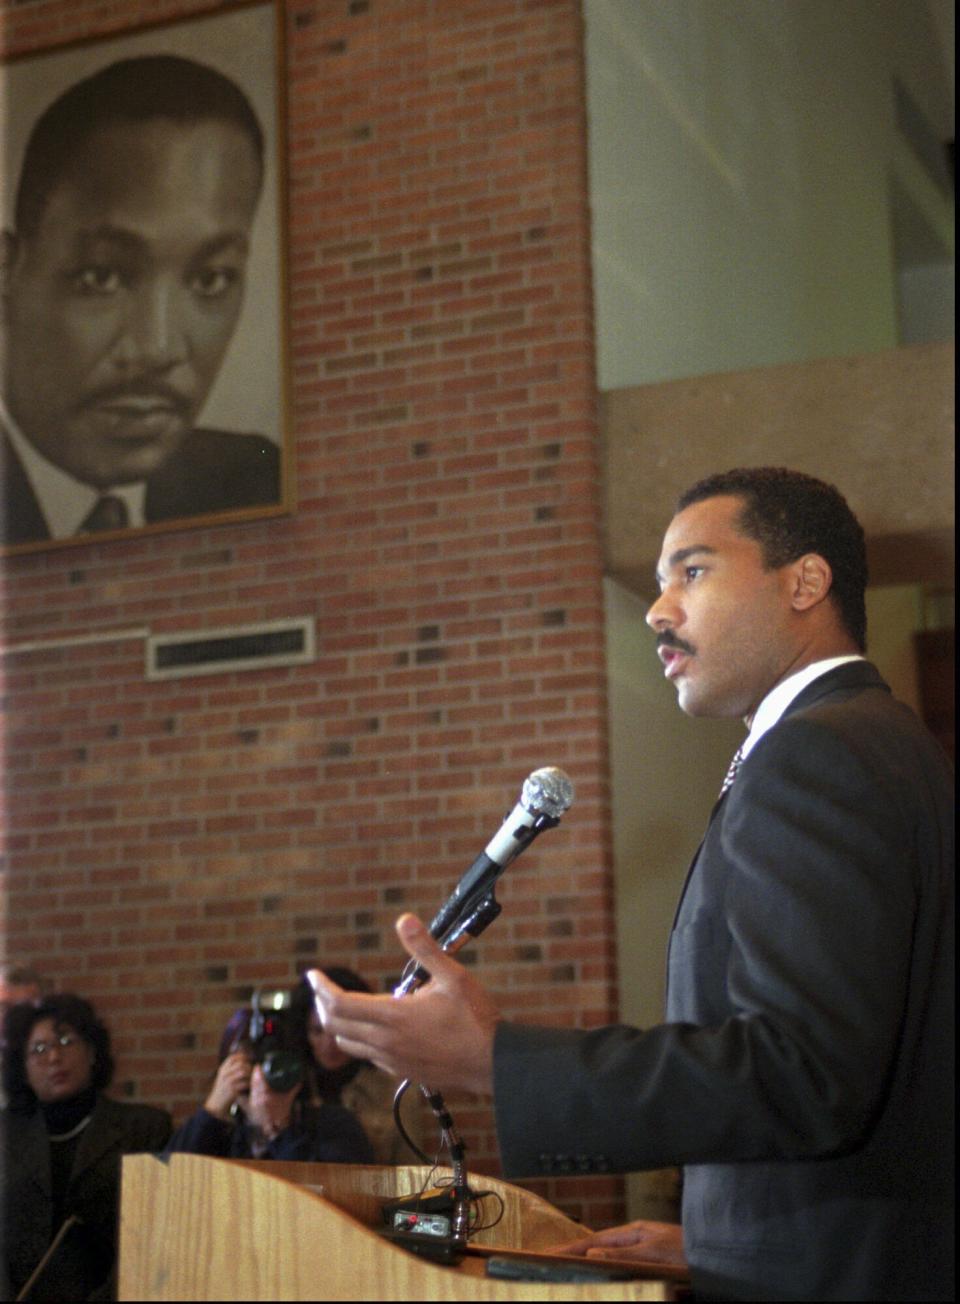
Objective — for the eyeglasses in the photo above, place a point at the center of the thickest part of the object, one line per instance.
(40, 1048)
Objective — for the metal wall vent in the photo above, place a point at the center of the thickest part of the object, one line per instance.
(216, 651)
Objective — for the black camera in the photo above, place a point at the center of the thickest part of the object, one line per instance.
(272, 1040)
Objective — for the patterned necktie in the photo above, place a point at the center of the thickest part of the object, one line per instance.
(107, 513)
(732, 769)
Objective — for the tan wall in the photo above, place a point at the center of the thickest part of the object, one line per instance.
(880, 426)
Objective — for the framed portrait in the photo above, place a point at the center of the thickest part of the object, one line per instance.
(143, 337)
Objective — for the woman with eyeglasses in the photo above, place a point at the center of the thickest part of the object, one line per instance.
(63, 1139)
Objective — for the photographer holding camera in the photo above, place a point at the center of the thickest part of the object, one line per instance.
(255, 1108)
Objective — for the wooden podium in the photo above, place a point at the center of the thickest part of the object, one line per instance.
(196, 1228)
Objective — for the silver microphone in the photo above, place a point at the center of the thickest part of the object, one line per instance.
(546, 794)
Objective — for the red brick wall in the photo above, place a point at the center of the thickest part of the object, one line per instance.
(172, 845)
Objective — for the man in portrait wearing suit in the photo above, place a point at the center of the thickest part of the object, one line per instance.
(803, 1076)
(121, 286)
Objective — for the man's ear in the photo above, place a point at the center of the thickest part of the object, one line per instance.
(812, 580)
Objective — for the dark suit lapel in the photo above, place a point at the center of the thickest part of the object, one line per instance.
(853, 675)
(101, 1134)
(29, 1153)
(696, 856)
(21, 520)
(686, 881)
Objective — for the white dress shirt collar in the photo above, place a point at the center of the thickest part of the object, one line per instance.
(779, 698)
(64, 501)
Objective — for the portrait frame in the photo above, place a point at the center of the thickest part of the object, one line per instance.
(246, 411)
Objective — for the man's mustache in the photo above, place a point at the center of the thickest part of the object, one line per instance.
(666, 639)
(138, 389)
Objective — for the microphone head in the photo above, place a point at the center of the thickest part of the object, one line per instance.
(547, 792)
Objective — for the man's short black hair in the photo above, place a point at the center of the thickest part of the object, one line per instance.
(66, 1011)
(789, 514)
(130, 90)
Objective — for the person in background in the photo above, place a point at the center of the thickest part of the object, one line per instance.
(356, 1084)
(63, 1140)
(257, 1107)
(19, 984)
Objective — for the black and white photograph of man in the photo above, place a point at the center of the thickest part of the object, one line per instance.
(126, 263)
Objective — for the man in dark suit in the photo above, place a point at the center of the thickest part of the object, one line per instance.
(122, 284)
(803, 1076)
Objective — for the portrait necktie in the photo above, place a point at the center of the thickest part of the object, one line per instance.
(107, 513)
(732, 769)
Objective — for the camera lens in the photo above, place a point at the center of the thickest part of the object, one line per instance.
(282, 1069)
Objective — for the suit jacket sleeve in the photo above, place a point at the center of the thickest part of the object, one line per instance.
(794, 960)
